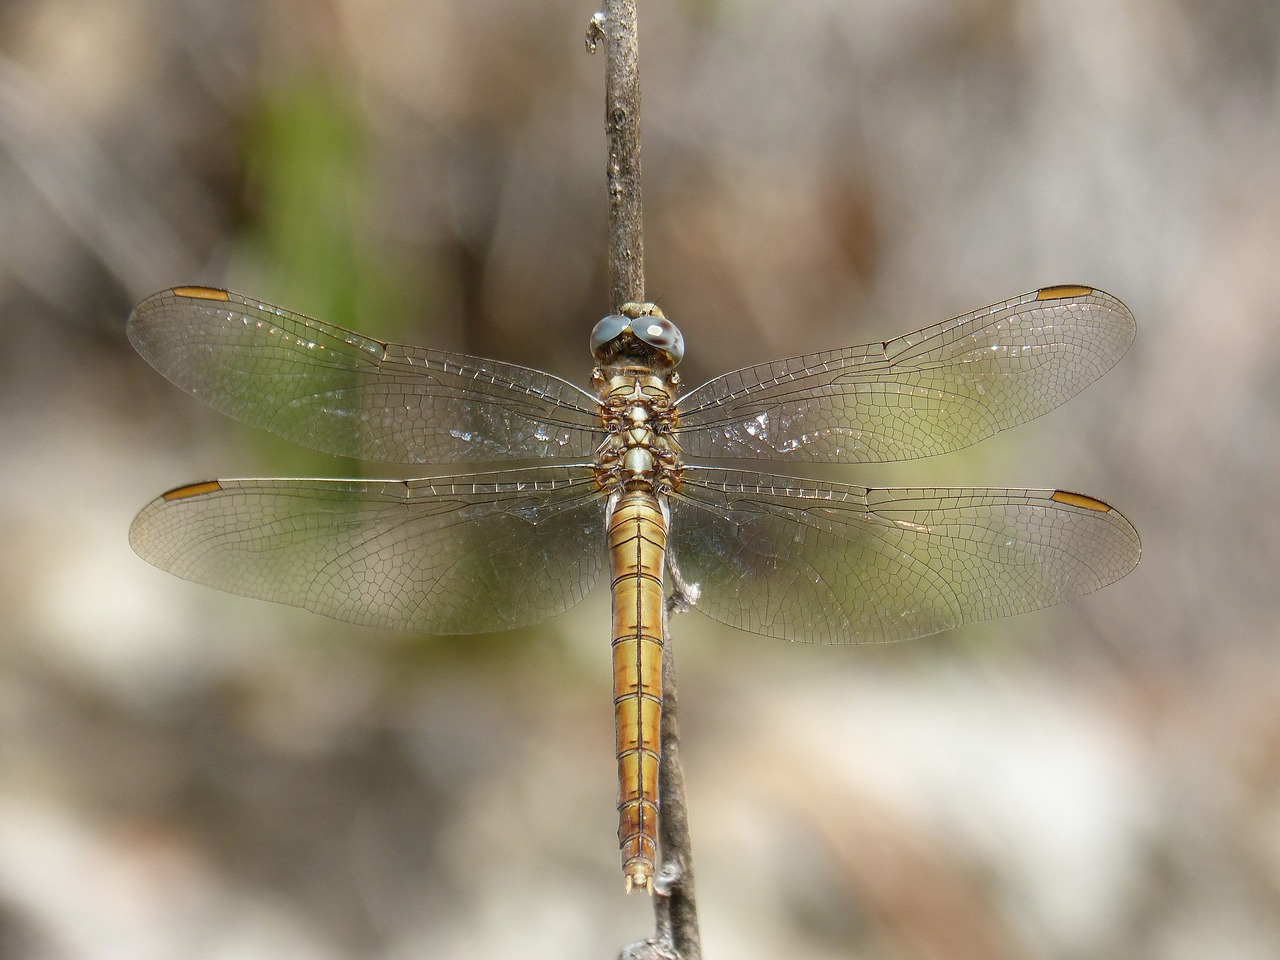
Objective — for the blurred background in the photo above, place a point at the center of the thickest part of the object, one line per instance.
(188, 774)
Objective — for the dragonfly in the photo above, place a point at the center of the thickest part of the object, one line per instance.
(630, 476)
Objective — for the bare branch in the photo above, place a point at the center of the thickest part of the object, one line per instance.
(617, 26)
(675, 905)
(675, 909)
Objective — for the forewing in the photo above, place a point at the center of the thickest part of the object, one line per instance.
(930, 392)
(447, 555)
(333, 390)
(834, 563)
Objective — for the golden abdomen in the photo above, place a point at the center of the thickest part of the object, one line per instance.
(637, 545)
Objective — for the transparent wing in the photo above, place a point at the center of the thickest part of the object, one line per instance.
(333, 390)
(932, 391)
(447, 555)
(833, 563)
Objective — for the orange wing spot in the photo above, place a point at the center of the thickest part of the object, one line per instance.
(201, 293)
(1080, 500)
(1062, 292)
(192, 490)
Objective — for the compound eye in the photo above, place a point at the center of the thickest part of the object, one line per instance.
(608, 330)
(661, 334)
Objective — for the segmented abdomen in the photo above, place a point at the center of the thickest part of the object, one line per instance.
(637, 545)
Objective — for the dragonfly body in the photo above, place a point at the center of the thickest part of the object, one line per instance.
(638, 463)
(620, 481)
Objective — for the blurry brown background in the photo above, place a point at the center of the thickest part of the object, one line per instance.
(190, 775)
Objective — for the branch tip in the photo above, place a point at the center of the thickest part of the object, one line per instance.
(595, 31)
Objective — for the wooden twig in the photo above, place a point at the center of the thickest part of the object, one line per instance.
(675, 909)
(616, 25)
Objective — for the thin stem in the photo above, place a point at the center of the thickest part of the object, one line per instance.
(675, 909)
(674, 883)
(622, 125)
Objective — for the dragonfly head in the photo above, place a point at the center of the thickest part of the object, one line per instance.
(639, 336)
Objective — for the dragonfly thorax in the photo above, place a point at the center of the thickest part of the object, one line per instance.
(638, 413)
